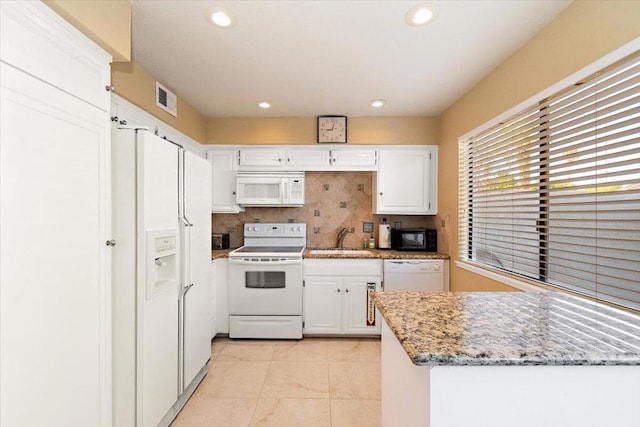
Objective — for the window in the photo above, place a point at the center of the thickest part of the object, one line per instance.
(552, 194)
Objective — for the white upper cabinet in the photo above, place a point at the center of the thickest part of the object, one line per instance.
(356, 159)
(406, 181)
(69, 61)
(307, 158)
(223, 163)
(261, 159)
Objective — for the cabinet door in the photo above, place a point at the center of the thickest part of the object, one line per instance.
(403, 182)
(345, 159)
(223, 188)
(322, 308)
(261, 159)
(309, 159)
(55, 276)
(212, 300)
(222, 291)
(355, 306)
(38, 41)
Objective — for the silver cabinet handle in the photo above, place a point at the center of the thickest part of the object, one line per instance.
(338, 289)
(111, 242)
(346, 290)
(110, 88)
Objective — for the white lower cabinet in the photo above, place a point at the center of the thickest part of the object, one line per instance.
(221, 307)
(336, 296)
(213, 300)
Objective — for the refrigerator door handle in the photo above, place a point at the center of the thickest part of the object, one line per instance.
(186, 289)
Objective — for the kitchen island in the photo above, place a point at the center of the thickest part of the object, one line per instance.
(507, 359)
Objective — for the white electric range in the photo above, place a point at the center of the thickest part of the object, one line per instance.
(265, 282)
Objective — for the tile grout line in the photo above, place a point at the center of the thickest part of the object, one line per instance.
(329, 384)
(264, 381)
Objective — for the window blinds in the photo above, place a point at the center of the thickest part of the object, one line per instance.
(553, 193)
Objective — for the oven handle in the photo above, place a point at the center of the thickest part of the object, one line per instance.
(260, 262)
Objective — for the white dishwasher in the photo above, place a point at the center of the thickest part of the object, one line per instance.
(414, 275)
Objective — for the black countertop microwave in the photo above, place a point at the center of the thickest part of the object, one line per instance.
(414, 239)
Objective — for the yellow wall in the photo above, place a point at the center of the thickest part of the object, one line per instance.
(302, 130)
(582, 33)
(108, 23)
(136, 85)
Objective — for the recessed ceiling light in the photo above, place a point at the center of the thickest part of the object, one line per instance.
(377, 103)
(220, 18)
(421, 14)
(264, 104)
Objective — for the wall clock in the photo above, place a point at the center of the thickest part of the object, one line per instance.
(332, 129)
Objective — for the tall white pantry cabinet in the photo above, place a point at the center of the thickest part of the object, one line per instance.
(55, 333)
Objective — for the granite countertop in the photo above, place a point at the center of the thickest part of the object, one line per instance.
(374, 254)
(220, 253)
(510, 328)
(378, 254)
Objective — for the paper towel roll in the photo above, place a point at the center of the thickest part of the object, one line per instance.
(384, 236)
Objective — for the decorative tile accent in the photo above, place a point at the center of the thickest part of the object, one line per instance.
(323, 189)
(343, 204)
(316, 213)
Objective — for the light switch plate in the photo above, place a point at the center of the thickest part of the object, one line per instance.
(367, 227)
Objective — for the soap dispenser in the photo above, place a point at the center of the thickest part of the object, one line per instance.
(372, 242)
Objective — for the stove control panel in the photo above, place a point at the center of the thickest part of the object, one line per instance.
(275, 230)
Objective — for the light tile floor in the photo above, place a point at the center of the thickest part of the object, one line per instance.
(324, 382)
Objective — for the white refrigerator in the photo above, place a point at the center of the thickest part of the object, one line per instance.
(161, 284)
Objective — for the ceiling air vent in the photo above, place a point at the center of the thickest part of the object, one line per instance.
(166, 100)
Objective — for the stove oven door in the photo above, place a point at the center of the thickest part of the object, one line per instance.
(266, 287)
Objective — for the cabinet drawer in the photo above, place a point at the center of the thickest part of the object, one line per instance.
(342, 267)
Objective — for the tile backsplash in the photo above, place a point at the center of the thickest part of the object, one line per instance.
(333, 200)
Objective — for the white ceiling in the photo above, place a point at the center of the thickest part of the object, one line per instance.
(317, 57)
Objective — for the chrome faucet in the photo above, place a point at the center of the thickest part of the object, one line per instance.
(341, 235)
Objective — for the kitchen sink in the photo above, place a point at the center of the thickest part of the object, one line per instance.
(339, 252)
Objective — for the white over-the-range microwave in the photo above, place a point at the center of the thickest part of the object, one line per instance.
(270, 188)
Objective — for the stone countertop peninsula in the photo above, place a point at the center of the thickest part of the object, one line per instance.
(509, 328)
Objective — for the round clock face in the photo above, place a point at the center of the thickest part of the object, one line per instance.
(332, 129)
